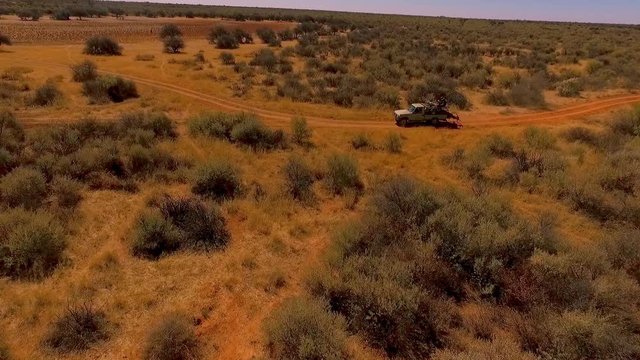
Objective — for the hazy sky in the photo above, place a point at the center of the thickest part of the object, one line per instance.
(610, 11)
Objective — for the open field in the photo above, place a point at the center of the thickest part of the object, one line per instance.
(515, 237)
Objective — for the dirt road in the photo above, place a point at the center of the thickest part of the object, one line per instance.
(275, 118)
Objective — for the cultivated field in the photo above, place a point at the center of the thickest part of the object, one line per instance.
(257, 200)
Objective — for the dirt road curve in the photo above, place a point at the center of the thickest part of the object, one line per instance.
(282, 119)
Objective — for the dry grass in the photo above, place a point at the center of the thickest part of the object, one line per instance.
(275, 242)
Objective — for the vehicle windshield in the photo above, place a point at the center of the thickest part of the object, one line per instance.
(412, 109)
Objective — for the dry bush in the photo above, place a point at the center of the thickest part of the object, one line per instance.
(362, 141)
(588, 335)
(581, 134)
(300, 132)
(498, 348)
(67, 192)
(240, 128)
(202, 228)
(102, 45)
(393, 143)
(299, 179)
(569, 88)
(32, 244)
(84, 71)
(25, 187)
(106, 89)
(303, 329)
(496, 97)
(78, 329)
(46, 95)
(526, 94)
(172, 339)
(627, 123)
(155, 236)
(343, 175)
(227, 58)
(145, 57)
(499, 146)
(217, 180)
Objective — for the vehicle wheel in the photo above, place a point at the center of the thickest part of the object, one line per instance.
(402, 123)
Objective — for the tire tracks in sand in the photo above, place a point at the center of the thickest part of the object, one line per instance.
(277, 118)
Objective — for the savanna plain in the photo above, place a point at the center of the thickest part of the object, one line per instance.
(202, 182)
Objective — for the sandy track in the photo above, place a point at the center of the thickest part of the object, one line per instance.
(283, 119)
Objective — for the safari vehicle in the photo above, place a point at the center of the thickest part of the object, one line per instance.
(430, 113)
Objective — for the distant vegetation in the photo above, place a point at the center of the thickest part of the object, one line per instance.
(359, 60)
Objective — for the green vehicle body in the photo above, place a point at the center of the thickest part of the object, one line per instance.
(427, 114)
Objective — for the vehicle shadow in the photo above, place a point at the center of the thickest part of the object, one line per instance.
(438, 125)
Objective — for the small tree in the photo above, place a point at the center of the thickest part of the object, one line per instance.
(118, 13)
(79, 12)
(62, 14)
(170, 30)
(173, 44)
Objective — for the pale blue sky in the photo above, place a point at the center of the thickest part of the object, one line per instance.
(608, 11)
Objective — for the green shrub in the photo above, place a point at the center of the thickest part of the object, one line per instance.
(155, 236)
(226, 41)
(106, 89)
(218, 181)
(361, 141)
(217, 124)
(173, 44)
(304, 329)
(31, 244)
(24, 187)
(172, 339)
(569, 88)
(67, 192)
(102, 45)
(78, 329)
(343, 174)
(299, 179)
(268, 36)
(393, 143)
(201, 228)
(265, 58)
(300, 132)
(84, 71)
(46, 95)
(227, 58)
(257, 136)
